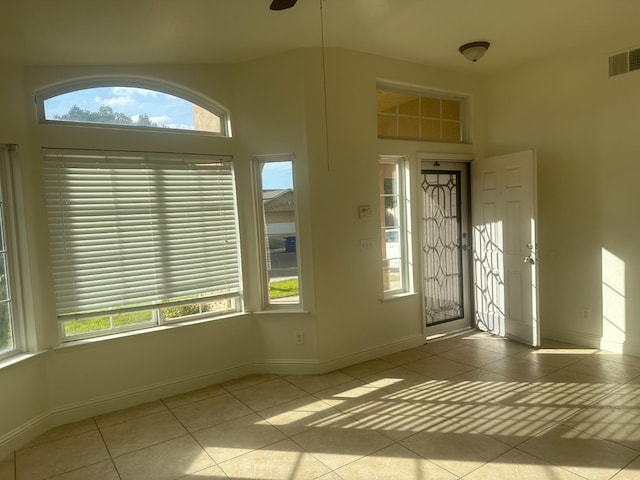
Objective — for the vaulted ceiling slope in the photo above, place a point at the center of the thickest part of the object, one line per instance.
(41, 32)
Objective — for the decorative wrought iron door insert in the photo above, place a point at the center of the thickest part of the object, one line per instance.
(442, 246)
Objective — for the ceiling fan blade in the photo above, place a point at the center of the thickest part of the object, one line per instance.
(282, 4)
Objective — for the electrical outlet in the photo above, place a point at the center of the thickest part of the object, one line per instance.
(299, 338)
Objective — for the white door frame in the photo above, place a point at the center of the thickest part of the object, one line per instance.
(426, 162)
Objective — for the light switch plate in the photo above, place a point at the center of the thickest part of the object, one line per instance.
(364, 211)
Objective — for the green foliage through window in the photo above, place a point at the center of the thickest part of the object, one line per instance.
(131, 106)
(105, 115)
(6, 330)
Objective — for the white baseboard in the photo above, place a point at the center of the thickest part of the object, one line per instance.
(23, 434)
(314, 367)
(372, 352)
(287, 366)
(627, 347)
(580, 339)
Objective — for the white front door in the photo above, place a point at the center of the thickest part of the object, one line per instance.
(504, 222)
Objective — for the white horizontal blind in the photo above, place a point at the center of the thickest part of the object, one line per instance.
(134, 229)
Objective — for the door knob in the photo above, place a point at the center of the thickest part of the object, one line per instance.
(529, 259)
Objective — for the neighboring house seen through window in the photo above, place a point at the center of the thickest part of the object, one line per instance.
(278, 229)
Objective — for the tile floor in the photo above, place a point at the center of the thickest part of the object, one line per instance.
(472, 407)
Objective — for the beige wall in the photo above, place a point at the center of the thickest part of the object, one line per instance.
(352, 316)
(584, 126)
(277, 106)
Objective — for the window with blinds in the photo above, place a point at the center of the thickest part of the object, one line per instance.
(139, 239)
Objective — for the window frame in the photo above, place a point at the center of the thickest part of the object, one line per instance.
(265, 301)
(119, 81)
(401, 165)
(156, 318)
(11, 243)
(465, 131)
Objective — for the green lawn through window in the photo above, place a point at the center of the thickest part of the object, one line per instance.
(284, 288)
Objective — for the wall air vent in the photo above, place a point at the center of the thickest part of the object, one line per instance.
(624, 62)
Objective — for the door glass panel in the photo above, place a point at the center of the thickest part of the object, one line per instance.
(441, 246)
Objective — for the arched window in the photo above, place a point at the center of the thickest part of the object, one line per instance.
(131, 104)
(138, 238)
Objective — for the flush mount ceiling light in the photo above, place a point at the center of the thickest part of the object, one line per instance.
(282, 4)
(474, 51)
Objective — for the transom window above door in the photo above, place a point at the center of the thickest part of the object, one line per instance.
(420, 116)
(126, 105)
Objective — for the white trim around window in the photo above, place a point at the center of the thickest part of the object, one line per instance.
(395, 234)
(12, 339)
(277, 226)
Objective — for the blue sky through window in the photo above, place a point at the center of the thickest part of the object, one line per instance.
(163, 109)
(277, 175)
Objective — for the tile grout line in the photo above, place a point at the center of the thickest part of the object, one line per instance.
(189, 432)
(111, 457)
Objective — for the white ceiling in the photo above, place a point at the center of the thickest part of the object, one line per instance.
(226, 31)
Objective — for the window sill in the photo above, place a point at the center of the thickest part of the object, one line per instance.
(18, 358)
(398, 297)
(131, 333)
